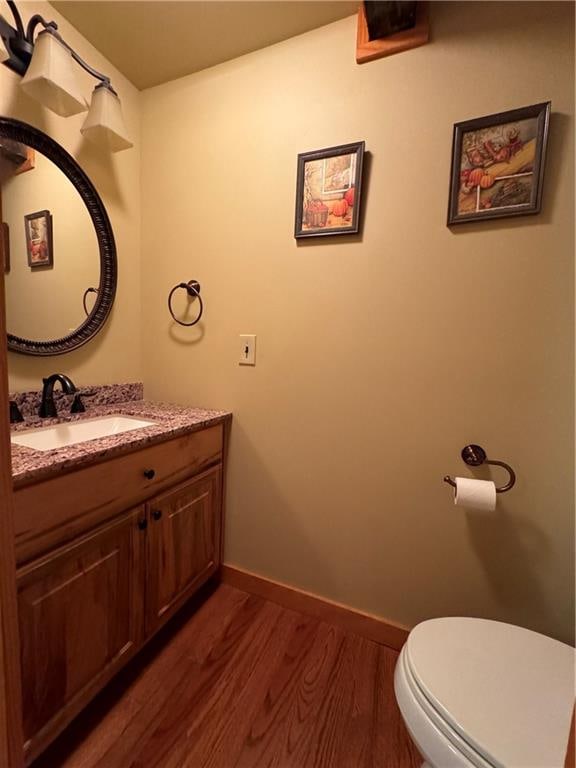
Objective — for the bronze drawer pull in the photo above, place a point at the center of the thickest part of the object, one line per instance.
(149, 474)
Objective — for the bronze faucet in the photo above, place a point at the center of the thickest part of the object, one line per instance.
(48, 406)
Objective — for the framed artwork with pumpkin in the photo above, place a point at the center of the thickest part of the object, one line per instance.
(498, 164)
(329, 190)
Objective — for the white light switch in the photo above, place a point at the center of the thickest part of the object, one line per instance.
(247, 349)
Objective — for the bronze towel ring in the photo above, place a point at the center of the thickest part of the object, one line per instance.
(86, 292)
(192, 288)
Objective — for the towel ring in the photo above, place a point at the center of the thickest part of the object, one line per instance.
(474, 456)
(86, 292)
(192, 288)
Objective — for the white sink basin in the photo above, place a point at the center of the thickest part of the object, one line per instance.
(60, 435)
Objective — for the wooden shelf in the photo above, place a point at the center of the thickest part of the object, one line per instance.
(368, 50)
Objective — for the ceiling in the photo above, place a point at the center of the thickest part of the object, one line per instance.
(152, 42)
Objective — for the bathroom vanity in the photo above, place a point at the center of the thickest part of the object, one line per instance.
(114, 531)
(112, 537)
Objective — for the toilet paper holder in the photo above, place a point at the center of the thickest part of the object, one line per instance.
(474, 456)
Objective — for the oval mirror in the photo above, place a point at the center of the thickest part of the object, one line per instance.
(57, 245)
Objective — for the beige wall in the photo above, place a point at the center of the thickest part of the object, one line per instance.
(112, 355)
(379, 357)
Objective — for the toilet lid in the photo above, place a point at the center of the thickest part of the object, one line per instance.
(507, 691)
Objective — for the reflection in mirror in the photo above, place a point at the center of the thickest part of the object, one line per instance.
(62, 243)
(54, 252)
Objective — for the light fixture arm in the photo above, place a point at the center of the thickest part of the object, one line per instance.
(17, 19)
(21, 43)
(94, 72)
(33, 23)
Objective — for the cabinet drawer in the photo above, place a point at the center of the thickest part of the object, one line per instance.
(52, 512)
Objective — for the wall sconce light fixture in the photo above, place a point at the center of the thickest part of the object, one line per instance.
(49, 76)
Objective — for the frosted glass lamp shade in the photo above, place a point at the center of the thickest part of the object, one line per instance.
(104, 123)
(51, 77)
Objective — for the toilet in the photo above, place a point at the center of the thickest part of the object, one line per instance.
(484, 694)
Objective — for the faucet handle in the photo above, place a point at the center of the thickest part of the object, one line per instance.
(77, 404)
(15, 413)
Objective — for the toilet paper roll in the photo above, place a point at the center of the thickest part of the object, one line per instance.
(475, 494)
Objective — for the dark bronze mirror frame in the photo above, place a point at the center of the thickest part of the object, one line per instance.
(38, 140)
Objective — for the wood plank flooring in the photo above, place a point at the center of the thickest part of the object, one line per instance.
(239, 682)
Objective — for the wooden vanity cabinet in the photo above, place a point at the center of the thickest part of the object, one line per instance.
(183, 545)
(56, 510)
(87, 605)
(80, 612)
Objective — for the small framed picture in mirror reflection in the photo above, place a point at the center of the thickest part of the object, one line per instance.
(39, 239)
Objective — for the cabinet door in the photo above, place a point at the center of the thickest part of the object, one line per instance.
(80, 613)
(183, 544)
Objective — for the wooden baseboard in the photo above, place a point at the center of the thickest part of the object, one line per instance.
(371, 627)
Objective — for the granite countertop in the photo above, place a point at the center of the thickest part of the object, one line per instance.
(29, 465)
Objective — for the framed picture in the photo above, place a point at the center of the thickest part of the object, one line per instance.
(498, 165)
(39, 239)
(329, 190)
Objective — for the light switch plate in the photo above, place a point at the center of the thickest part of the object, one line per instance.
(247, 349)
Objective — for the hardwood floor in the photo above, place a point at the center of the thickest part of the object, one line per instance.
(240, 682)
